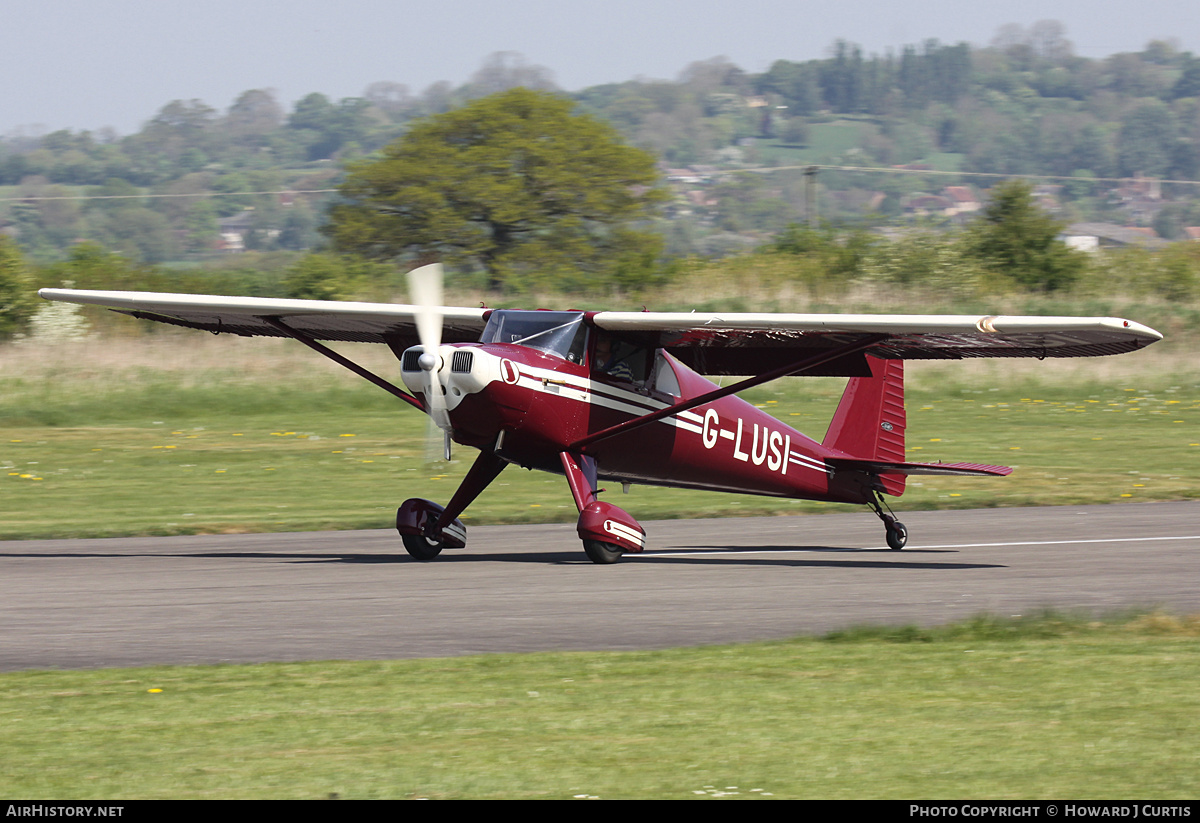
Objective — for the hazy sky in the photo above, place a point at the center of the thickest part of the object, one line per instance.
(86, 64)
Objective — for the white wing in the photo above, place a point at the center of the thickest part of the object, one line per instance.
(740, 343)
(320, 319)
(711, 343)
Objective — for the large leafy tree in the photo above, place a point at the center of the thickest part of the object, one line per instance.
(515, 184)
(1015, 238)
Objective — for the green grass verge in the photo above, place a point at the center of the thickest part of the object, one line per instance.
(1046, 707)
(287, 445)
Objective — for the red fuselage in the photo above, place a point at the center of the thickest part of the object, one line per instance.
(530, 406)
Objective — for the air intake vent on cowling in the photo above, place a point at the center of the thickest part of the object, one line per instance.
(411, 361)
(461, 361)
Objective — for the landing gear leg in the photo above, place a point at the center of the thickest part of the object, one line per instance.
(426, 528)
(896, 533)
(607, 532)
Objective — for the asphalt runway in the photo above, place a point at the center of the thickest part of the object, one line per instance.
(357, 595)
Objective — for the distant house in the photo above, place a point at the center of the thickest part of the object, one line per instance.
(1048, 197)
(962, 200)
(1192, 232)
(234, 230)
(1093, 236)
(1138, 197)
(954, 202)
(683, 176)
(700, 198)
(926, 204)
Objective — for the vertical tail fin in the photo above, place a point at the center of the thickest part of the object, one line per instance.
(870, 420)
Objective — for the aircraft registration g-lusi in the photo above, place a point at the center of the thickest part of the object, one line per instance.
(619, 396)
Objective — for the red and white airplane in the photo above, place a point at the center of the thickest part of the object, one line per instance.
(619, 396)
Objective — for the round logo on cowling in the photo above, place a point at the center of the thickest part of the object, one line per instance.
(509, 371)
(886, 426)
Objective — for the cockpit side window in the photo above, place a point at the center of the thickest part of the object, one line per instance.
(665, 379)
(618, 359)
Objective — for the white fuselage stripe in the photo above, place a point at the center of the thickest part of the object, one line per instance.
(589, 391)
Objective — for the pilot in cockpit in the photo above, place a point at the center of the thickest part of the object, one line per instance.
(609, 360)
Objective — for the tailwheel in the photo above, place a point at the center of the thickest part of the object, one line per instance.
(896, 532)
(421, 547)
(897, 535)
(602, 553)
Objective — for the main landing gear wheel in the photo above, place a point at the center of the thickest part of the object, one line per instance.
(421, 547)
(602, 553)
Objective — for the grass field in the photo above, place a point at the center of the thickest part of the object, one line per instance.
(187, 433)
(180, 434)
(190, 434)
(1047, 707)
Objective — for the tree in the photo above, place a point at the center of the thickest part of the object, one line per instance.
(1015, 238)
(508, 183)
(17, 296)
(1146, 140)
(253, 115)
(320, 276)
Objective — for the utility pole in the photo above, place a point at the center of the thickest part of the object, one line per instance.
(810, 195)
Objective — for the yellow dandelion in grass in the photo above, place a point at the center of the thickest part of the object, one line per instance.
(154, 691)
(535, 505)
(935, 440)
(1014, 448)
(1127, 495)
(347, 435)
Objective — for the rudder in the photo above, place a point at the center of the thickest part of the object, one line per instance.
(870, 419)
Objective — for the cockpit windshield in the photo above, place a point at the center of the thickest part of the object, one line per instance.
(556, 332)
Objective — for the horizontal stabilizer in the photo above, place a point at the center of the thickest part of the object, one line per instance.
(879, 466)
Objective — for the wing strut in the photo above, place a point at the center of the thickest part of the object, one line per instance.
(342, 361)
(692, 402)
